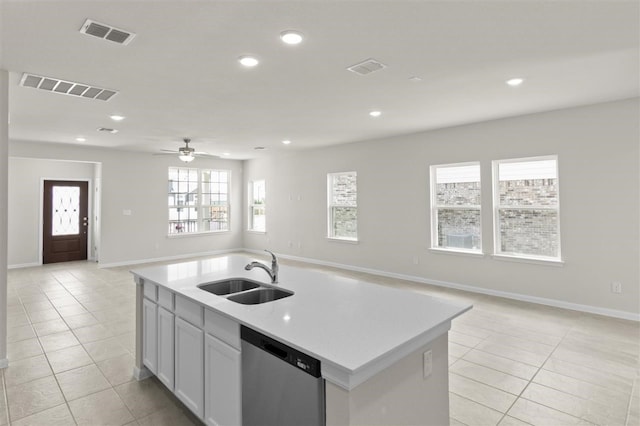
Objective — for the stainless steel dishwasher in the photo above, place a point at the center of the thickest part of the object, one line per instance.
(281, 386)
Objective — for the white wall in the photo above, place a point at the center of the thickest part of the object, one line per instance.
(597, 148)
(4, 184)
(138, 182)
(25, 208)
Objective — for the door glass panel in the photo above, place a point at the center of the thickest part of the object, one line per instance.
(66, 210)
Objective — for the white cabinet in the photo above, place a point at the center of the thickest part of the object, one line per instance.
(195, 353)
(189, 366)
(165, 347)
(150, 334)
(223, 399)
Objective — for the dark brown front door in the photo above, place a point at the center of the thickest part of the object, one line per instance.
(65, 221)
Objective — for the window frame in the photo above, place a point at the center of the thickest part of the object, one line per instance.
(199, 206)
(497, 239)
(435, 208)
(331, 207)
(252, 206)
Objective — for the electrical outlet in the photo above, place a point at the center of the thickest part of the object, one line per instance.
(616, 287)
(427, 364)
(290, 244)
(416, 260)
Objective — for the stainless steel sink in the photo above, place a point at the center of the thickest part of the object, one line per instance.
(261, 295)
(231, 286)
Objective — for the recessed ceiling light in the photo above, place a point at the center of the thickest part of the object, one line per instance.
(515, 82)
(291, 37)
(81, 139)
(226, 153)
(248, 61)
(286, 142)
(116, 117)
(415, 79)
(375, 113)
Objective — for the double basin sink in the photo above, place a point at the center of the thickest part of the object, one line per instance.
(244, 291)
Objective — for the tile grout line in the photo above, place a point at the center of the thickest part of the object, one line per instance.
(52, 371)
(94, 362)
(633, 389)
(463, 397)
(4, 382)
(44, 353)
(475, 347)
(6, 398)
(534, 376)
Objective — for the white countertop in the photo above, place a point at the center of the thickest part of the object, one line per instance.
(355, 328)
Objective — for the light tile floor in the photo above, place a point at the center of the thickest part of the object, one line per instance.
(71, 341)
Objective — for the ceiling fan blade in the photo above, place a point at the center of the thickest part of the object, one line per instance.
(169, 150)
(165, 153)
(204, 154)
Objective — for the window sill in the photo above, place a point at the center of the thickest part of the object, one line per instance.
(251, 231)
(524, 259)
(342, 240)
(196, 234)
(457, 252)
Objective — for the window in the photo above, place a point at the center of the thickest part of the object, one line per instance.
(455, 207)
(526, 208)
(257, 206)
(198, 200)
(343, 208)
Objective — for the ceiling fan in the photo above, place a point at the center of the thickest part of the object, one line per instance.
(186, 153)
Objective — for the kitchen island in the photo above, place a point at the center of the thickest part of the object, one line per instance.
(383, 351)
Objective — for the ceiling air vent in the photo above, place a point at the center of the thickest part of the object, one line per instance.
(106, 32)
(66, 87)
(367, 67)
(107, 130)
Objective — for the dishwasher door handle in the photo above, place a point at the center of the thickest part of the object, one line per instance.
(274, 350)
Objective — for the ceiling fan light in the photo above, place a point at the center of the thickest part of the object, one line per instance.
(187, 158)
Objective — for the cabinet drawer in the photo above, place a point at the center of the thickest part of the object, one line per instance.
(190, 311)
(165, 298)
(150, 291)
(222, 327)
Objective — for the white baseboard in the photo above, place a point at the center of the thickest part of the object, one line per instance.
(472, 289)
(167, 258)
(632, 316)
(32, 264)
(24, 265)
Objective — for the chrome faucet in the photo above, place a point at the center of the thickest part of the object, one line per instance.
(273, 272)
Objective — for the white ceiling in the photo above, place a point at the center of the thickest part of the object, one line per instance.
(180, 76)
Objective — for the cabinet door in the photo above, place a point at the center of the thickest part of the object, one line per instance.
(150, 335)
(165, 347)
(223, 398)
(189, 366)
